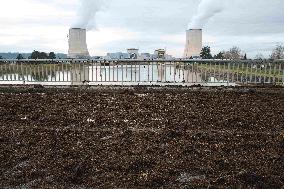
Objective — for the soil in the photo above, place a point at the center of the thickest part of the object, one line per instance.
(142, 138)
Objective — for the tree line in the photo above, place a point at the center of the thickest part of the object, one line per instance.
(37, 55)
(235, 53)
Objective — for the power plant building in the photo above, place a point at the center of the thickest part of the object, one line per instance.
(193, 45)
(77, 44)
(160, 54)
(133, 53)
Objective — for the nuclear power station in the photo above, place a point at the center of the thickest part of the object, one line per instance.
(77, 44)
(193, 45)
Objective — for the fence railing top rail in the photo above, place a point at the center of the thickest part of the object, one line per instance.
(140, 61)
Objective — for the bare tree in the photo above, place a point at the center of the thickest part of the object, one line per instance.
(278, 52)
(234, 53)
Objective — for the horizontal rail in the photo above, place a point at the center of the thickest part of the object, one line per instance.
(137, 60)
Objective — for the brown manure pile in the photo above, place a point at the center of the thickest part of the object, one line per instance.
(141, 138)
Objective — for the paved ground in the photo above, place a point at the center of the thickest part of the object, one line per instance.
(142, 138)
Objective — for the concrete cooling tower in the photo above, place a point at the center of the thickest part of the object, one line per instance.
(77, 44)
(193, 45)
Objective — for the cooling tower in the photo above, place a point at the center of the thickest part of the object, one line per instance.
(193, 43)
(77, 44)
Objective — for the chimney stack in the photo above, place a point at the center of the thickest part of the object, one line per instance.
(193, 45)
(77, 44)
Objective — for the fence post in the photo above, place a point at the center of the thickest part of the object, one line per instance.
(148, 72)
(283, 76)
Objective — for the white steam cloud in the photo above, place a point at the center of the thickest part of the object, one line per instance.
(206, 10)
(87, 12)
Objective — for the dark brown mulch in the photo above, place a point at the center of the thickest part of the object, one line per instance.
(124, 138)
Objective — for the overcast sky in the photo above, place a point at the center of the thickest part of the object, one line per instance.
(256, 26)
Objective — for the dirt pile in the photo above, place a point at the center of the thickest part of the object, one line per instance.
(164, 138)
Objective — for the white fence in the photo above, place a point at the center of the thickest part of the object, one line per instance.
(142, 72)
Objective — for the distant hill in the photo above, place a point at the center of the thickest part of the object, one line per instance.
(13, 55)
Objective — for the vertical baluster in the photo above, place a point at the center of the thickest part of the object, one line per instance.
(274, 74)
(14, 71)
(6, 71)
(26, 71)
(71, 71)
(21, 71)
(51, 71)
(223, 71)
(105, 70)
(10, 71)
(183, 70)
(134, 71)
(238, 71)
(233, 73)
(251, 71)
(55, 73)
(67, 71)
(43, 66)
(97, 70)
(1, 72)
(126, 64)
(131, 74)
(39, 71)
(46, 71)
(216, 65)
(192, 72)
(175, 67)
(92, 72)
(265, 72)
(247, 69)
(242, 72)
(139, 75)
(31, 73)
(282, 68)
(82, 68)
(279, 74)
(58, 71)
(122, 72)
(148, 71)
(270, 72)
(210, 71)
(109, 70)
(113, 68)
(117, 72)
(170, 70)
(166, 72)
(255, 73)
(62, 71)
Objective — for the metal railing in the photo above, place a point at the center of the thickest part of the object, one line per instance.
(147, 72)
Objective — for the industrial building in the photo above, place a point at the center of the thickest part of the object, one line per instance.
(160, 54)
(133, 53)
(78, 44)
(193, 45)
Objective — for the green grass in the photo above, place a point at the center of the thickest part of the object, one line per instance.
(243, 70)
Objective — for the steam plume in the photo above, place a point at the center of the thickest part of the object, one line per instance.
(86, 15)
(206, 10)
